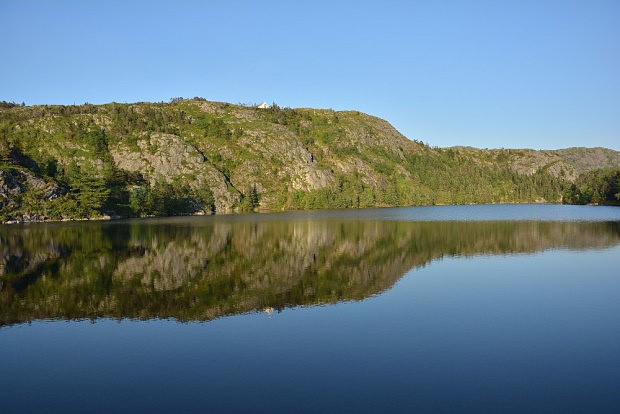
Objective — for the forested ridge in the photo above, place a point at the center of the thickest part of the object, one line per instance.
(190, 156)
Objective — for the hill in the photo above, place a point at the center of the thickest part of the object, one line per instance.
(194, 156)
(567, 163)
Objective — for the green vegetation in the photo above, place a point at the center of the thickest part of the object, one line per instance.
(595, 187)
(194, 156)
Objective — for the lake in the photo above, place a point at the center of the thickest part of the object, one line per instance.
(503, 308)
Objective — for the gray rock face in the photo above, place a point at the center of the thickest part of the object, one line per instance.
(295, 163)
(9, 186)
(16, 182)
(167, 157)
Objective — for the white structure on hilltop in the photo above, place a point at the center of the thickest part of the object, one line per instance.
(263, 105)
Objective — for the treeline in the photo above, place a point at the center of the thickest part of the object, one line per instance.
(8, 105)
(595, 187)
(351, 192)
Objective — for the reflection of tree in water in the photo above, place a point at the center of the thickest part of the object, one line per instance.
(200, 269)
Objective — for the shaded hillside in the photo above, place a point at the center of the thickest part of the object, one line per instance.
(194, 156)
(200, 269)
(596, 187)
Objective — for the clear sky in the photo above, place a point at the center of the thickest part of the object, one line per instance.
(490, 74)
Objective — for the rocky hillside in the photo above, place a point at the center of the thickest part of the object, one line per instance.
(194, 156)
(566, 163)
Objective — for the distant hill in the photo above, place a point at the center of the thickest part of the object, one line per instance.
(190, 156)
(566, 163)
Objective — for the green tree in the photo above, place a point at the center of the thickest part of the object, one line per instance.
(88, 190)
(206, 198)
(249, 199)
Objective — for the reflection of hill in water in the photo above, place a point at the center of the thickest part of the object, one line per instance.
(199, 270)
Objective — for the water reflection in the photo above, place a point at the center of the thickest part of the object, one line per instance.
(199, 269)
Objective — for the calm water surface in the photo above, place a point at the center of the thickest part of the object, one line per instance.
(510, 308)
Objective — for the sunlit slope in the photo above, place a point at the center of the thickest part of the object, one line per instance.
(190, 156)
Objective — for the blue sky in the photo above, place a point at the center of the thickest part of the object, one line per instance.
(490, 74)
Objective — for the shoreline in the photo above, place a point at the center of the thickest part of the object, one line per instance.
(267, 211)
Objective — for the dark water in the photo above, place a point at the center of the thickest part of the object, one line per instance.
(443, 309)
